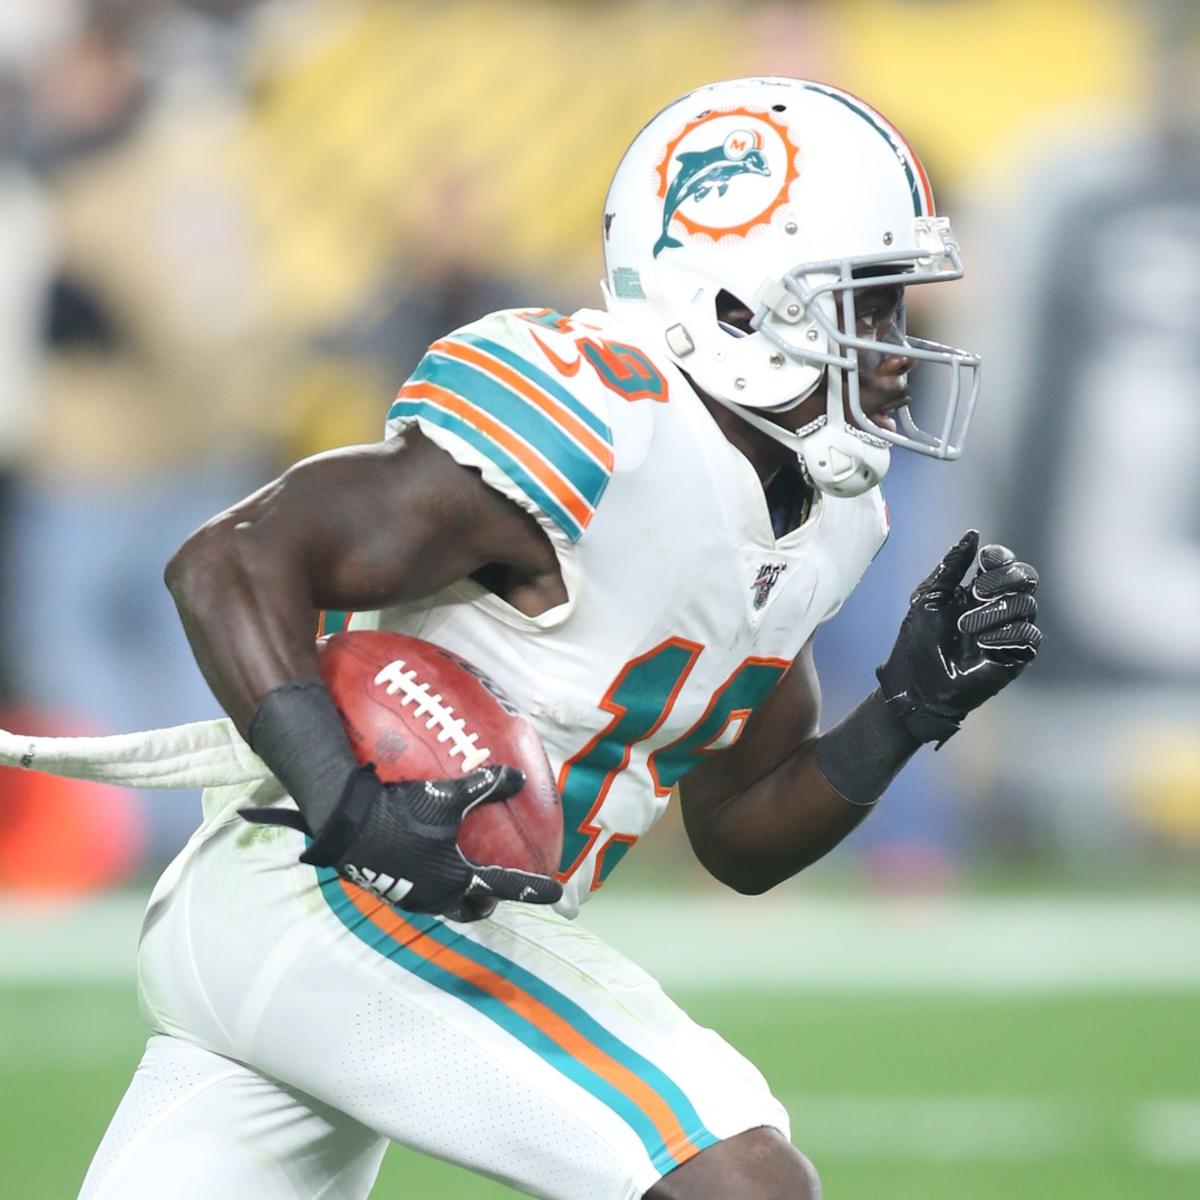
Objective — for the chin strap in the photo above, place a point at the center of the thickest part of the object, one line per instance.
(837, 459)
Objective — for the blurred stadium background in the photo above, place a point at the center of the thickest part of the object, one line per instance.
(227, 231)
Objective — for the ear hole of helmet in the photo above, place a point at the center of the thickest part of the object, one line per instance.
(733, 315)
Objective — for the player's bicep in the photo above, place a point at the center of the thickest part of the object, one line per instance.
(372, 525)
(359, 528)
(411, 523)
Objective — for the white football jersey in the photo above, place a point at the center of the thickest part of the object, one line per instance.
(683, 609)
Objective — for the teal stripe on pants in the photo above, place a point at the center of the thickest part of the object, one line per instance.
(520, 1026)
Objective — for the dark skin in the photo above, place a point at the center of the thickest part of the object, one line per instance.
(368, 527)
(355, 529)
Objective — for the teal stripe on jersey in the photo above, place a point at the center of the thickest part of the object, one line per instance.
(546, 382)
(525, 419)
(476, 438)
(334, 621)
(903, 151)
(520, 1027)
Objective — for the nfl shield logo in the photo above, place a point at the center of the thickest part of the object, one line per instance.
(767, 577)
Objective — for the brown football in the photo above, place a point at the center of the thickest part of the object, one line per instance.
(418, 711)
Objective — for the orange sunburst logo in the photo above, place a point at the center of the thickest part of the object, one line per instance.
(733, 168)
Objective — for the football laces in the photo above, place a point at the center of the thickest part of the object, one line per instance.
(401, 680)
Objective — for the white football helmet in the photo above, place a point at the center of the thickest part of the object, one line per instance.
(788, 196)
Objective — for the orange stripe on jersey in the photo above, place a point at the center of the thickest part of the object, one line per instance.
(550, 1023)
(537, 466)
(524, 386)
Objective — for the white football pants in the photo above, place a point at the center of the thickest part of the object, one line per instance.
(301, 1023)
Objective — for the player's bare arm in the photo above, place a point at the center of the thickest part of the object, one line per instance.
(353, 529)
(365, 527)
(782, 797)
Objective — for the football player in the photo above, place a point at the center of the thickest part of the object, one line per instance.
(635, 520)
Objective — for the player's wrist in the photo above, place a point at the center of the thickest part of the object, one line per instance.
(861, 756)
(923, 719)
(336, 839)
(297, 731)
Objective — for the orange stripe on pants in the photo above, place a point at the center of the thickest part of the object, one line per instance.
(545, 1019)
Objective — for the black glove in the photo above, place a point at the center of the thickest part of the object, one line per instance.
(399, 840)
(959, 646)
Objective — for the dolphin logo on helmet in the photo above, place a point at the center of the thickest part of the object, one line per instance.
(702, 170)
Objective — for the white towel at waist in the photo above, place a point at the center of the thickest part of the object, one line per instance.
(202, 754)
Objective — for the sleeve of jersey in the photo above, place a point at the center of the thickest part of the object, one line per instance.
(531, 437)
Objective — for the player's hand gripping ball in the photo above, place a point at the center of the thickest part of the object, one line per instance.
(454, 806)
(419, 712)
(960, 643)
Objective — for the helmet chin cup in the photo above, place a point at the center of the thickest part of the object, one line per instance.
(840, 462)
(839, 459)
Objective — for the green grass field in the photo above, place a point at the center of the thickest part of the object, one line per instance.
(896, 1095)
